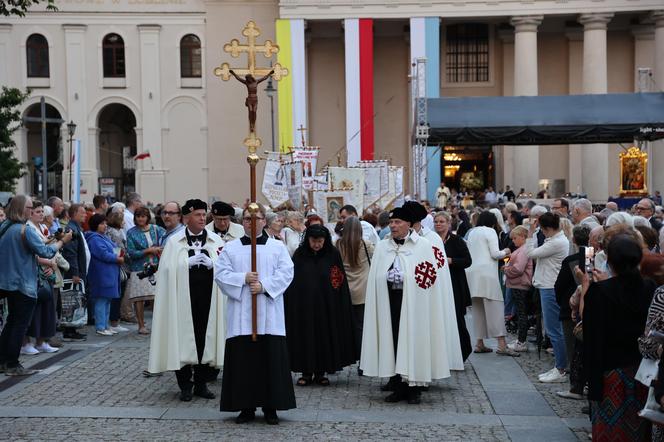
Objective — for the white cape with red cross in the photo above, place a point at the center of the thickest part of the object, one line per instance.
(422, 354)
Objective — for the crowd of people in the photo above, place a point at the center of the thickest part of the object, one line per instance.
(387, 288)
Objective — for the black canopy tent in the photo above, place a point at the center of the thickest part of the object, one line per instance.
(540, 120)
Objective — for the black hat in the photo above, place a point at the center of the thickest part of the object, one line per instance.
(317, 231)
(192, 205)
(220, 208)
(402, 214)
(418, 210)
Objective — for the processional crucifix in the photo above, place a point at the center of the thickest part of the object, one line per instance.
(252, 142)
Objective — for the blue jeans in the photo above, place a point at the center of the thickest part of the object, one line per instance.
(510, 306)
(102, 308)
(553, 327)
(21, 308)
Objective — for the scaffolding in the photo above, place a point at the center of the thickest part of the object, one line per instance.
(420, 129)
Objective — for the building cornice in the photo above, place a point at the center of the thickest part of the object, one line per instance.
(340, 9)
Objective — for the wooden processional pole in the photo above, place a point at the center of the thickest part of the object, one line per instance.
(247, 76)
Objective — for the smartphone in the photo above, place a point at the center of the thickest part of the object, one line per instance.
(589, 259)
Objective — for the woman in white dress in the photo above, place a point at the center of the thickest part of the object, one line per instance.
(487, 297)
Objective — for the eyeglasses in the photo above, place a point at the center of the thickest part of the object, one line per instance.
(248, 218)
(639, 208)
(169, 213)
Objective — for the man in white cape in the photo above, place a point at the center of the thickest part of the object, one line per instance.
(256, 373)
(454, 354)
(404, 330)
(188, 318)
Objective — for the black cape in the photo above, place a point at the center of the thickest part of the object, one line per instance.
(456, 248)
(319, 318)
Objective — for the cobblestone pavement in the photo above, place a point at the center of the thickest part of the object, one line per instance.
(100, 393)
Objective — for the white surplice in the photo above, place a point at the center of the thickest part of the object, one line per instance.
(275, 272)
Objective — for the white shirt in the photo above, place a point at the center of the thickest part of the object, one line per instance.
(292, 239)
(128, 220)
(369, 232)
(275, 273)
(549, 257)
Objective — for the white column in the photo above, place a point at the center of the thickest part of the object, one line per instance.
(525, 158)
(595, 81)
(575, 81)
(299, 72)
(77, 111)
(644, 52)
(657, 148)
(352, 68)
(150, 183)
(5, 53)
(505, 169)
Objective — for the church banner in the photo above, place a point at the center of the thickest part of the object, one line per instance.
(328, 203)
(396, 187)
(376, 182)
(308, 156)
(294, 174)
(320, 182)
(341, 178)
(275, 184)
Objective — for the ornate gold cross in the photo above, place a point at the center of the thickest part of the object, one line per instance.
(268, 49)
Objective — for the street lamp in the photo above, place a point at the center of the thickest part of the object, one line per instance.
(271, 91)
(71, 128)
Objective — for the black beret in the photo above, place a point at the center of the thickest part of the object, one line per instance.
(220, 208)
(192, 205)
(418, 210)
(402, 214)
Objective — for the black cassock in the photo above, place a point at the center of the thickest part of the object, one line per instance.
(319, 318)
(200, 293)
(455, 248)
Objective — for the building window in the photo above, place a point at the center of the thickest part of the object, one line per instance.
(190, 57)
(37, 56)
(114, 56)
(467, 53)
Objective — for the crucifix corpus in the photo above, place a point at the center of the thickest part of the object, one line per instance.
(248, 77)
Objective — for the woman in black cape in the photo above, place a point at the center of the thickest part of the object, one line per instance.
(319, 318)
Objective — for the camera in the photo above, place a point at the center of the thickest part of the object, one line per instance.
(61, 232)
(148, 271)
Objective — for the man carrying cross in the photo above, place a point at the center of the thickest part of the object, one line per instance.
(404, 330)
(256, 373)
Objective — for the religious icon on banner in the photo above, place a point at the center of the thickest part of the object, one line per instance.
(633, 172)
(328, 203)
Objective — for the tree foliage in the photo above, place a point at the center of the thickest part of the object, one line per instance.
(20, 7)
(11, 169)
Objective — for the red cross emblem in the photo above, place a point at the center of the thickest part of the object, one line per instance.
(439, 255)
(425, 274)
(336, 277)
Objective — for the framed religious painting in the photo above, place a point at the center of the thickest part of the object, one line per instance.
(633, 172)
(328, 203)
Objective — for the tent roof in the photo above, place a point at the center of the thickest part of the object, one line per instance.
(564, 119)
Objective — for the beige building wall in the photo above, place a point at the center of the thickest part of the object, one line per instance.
(326, 90)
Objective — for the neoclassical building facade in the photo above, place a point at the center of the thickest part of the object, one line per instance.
(137, 76)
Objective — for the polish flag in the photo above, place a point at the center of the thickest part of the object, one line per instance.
(142, 156)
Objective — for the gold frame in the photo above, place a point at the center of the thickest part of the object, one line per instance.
(633, 172)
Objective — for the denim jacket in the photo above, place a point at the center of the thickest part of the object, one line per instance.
(19, 264)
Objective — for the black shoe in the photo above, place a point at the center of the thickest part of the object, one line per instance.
(398, 395)
(414, 395)
(20, 370)
(392, 384)
(271, 417)
(585, 409)
(186, 396)
(245, 416)
(74, 337)
(203, 392)
(360, 372)
(425, 388)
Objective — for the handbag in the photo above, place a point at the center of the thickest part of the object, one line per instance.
(366, 251)
(74, 307)
(124, 275)
(578, 331)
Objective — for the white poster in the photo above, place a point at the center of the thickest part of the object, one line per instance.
(308, 156)
(294, 174)
(377, 182)
(328, 203)
(275, 184)
(348, 178)
(320, 182)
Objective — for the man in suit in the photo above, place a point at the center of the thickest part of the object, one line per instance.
(646, 209)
